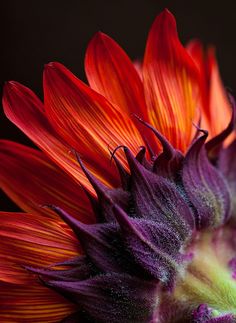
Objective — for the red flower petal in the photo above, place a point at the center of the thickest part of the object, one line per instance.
(216, 109)
(26, 111)
(32, 240)
(32, 303)
(111, 73)
(86, 120)
(170, 82)
(31, 180)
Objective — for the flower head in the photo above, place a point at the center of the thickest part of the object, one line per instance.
(130, 204)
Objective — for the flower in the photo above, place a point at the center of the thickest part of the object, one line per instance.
(130, 202)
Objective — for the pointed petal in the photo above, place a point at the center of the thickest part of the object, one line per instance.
(170, 81)
(32, 180)
(111, 73)
(220, 108)
(26, 111)
(29, 240)
(215, 106)
(86, 120)
(32, 303)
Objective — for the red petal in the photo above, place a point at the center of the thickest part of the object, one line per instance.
(32, 240)
(26, 111)
(220, 109)
(111, 73)
(170, 82)
(32, 180)
(216, 110)
(32, 303)
(86, 120)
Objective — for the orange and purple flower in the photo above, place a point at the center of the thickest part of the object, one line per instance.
(129, 205)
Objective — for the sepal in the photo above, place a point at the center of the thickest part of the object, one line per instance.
(205, 186)
(112, 297)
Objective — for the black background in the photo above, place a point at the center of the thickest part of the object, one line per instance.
(36, 32)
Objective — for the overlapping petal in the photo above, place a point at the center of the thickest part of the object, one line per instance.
(111, 73)
(32, 240)
(215, 106)
(171, 82)
(26, 111)
(150, 250)
(31, 303)
(86, 120)
(32, 180)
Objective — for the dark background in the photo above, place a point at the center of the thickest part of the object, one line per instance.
(36, 32)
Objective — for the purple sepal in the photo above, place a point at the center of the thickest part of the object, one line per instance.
(158, 199)
(112, 298)
(203, 314)
(106, 196)
(227, 165)
(103, 244)
(82, 268)
(124, 175)
(169, 161)
(205, 186)
(155, 246)
(141, 158)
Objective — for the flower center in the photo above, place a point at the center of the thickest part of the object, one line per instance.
(208, 279)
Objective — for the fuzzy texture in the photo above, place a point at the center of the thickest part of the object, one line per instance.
(129, 206)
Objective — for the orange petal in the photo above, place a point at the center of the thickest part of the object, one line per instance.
(216, 110)
(219, 106)
(195, 50)
(32, 240)
(170, 82)
(86, 120)
(111, 73)
(32, 303)
(32, 180)
(26, 111)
